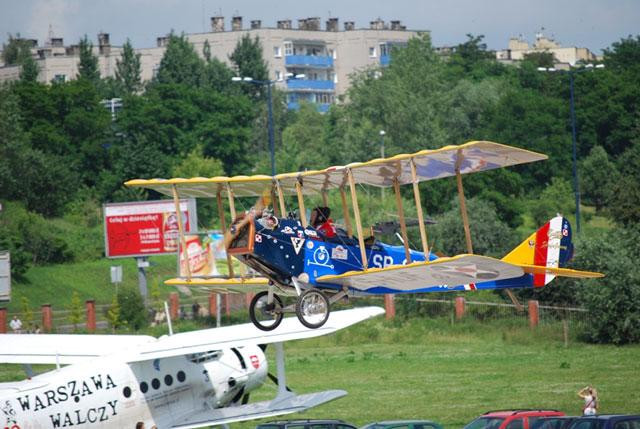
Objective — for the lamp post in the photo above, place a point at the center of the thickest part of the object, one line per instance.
(268, 84)
(382, 134)
(571, 72)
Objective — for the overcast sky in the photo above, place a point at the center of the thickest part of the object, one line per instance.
(594, 24)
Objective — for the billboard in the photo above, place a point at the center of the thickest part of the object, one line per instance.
(5, 276)
(203, 250)
(145, 228)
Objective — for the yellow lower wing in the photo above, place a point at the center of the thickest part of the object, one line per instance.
(235, 284)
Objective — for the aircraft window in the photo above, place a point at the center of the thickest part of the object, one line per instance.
(630, 424)
(126, 392)
(155, 383)
(181, 376)
(319, 426)
(144, 387)
(168, 380)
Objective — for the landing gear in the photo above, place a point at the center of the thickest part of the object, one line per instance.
(312, 308)
(266, 316)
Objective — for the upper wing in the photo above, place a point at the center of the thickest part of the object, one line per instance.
(258, 410)
(63, 349)
(246, 334)
(461, 269)
(471, 157)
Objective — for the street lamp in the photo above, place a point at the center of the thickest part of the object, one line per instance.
(571, 72)
(268, 84)
(382, 134)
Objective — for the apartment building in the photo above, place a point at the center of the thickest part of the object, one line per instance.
(568, 56)
(325, 57)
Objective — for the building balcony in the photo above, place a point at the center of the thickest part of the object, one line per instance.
(309, 61)
(321, 107)
(384, 60)
(310, 85)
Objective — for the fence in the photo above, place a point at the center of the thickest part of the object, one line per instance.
(458, 309)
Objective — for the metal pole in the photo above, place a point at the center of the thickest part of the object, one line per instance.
(576, 188)
(271, 138)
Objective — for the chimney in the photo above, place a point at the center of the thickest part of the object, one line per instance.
(302, 24)
(236, 23)
(217, 24)
(332, 24)
(395, 25)
(256, 24)
(349, 26)
(162, 41)
(378, 24)
(313, 24)
(104, 46)
(285, 24)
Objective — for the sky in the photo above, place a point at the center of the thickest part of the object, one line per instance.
(594, 24)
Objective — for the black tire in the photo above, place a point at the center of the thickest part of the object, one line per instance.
(258, 307)
(314, 301)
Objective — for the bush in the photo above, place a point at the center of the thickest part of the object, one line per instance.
(612, 301)
(132, 310)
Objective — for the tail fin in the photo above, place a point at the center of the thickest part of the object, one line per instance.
(550, 246)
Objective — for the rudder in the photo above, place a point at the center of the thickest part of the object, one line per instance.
(549, 246)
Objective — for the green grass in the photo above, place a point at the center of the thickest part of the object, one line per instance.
(428, 369)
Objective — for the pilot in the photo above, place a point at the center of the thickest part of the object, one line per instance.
(321, 221)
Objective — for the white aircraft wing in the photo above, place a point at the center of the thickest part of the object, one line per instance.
(63, 349)
(247, 334)
(461, 269)
(278, 406)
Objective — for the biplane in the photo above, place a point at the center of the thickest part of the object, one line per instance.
(299, 260)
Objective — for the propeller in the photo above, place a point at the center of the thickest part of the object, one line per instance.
(272, 377)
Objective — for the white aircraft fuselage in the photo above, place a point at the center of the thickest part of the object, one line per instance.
(108, 392)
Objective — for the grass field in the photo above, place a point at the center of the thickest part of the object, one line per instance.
(429, 369)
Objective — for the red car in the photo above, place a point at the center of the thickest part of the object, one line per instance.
(510, 419)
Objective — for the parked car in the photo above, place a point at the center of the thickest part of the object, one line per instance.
(404, 424)
(607, 421)
(553, 422)
(510, 419)
(306, 424)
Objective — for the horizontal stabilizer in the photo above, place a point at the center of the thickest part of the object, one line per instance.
(247, 334)
(562, 272)
(258, 410)
(63, 349)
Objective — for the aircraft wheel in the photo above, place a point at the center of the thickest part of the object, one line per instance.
(265, 316)
(312, 308)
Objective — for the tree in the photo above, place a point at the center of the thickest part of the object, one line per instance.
(247, 59)
(16, 50)
(206, 51)
(113, 313)
(623, 54)
(541, 59)
(180, 63)
(128, 69)
(598, 176)
(88, 65)
(75, 310)
(30, 70)
(557, 197)
(490, 236)
(132, 311)
(195, 164)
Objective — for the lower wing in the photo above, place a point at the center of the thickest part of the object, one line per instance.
(443, 272)
(279, 406)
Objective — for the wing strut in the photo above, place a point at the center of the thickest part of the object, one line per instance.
(183, 241)
(345, 211)
(223, 225)
(283, 393)
(416, 195)
(463, 205)
(303, 212)
(356, 215)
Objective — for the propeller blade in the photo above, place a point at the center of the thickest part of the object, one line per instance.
(263, 201)
(245, 399)
(275, 381)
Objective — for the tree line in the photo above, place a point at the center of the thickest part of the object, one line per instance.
(62, 155)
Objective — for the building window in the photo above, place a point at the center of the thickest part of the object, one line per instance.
(383, 49)
(333, 53)
(60, 78)
(372, 51)
(277, 52)
(278, 75)
(288, 48)
(333, 77)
